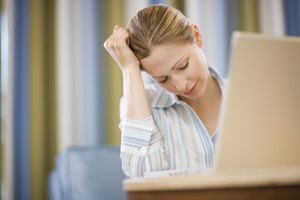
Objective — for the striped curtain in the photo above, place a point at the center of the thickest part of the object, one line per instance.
(63, 88)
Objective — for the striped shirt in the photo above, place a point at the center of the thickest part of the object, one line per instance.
(172, 138)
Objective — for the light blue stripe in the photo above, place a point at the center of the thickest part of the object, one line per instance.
(168, 100)
(156, 1)
(207, 144)
(173, 146)
(135, 141)
(139, 166)
(181, 134)
(130, 145)
(137, 124)
(292, 17)
(136, 144)
(141, 128)
(93, 122)
(159, 97)
(128, 138)
(156, 138)
(21, 172)
(199, 131)
(160, 160)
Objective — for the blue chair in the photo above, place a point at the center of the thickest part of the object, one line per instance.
(87, 173)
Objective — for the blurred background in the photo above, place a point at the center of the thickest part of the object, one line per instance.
(59, 88)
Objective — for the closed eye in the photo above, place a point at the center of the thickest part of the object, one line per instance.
(185, 66)
(164, 80)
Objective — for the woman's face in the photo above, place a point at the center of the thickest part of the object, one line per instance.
(180, 69)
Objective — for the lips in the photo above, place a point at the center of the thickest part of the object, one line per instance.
(191, 90)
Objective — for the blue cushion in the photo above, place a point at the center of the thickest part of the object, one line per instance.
(87, 173)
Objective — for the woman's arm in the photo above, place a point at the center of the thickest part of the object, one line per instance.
(135, 100)
(141, 143)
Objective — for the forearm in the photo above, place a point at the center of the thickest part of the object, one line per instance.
(135, 99)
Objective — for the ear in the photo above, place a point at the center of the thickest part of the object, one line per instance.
(197, 35)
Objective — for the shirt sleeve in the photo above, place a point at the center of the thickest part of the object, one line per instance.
(141, 147)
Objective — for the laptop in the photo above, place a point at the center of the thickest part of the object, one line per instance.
(261, 130)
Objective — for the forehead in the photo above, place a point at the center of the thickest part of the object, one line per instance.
(163, 58)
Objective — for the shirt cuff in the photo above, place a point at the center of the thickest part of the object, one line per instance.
(137, 133)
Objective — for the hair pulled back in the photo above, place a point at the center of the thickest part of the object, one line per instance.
(156, 25)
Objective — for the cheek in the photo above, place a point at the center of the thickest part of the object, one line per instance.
(193, 71)
(199, 69)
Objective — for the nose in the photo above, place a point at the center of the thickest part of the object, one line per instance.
(180, 84)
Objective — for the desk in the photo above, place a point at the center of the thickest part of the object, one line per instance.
(215, 186)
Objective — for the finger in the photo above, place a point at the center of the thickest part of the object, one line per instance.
(120, 30)
(116, 27)
(120, 37)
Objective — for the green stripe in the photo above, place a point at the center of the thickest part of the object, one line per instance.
(41, 95)
(248, 15)
(113, 14)
(178, 4)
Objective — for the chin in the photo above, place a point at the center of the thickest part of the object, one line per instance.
(196, 96)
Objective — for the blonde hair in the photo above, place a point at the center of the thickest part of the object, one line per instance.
(155, 25)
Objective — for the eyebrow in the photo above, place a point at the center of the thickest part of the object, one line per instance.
(172, 68)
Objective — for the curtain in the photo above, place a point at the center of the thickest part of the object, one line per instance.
(80, 85)
(42, 96)
(64, 88)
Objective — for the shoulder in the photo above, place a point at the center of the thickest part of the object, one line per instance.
(217, 75)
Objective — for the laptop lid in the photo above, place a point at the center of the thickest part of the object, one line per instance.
(261, 129)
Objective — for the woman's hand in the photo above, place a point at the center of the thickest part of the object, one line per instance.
(117, 47)
(135, 104)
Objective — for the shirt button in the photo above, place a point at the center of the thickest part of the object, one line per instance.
(144, 150)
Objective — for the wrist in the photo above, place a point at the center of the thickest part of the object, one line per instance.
(131, 71)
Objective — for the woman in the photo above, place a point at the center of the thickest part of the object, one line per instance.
(172, 123)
